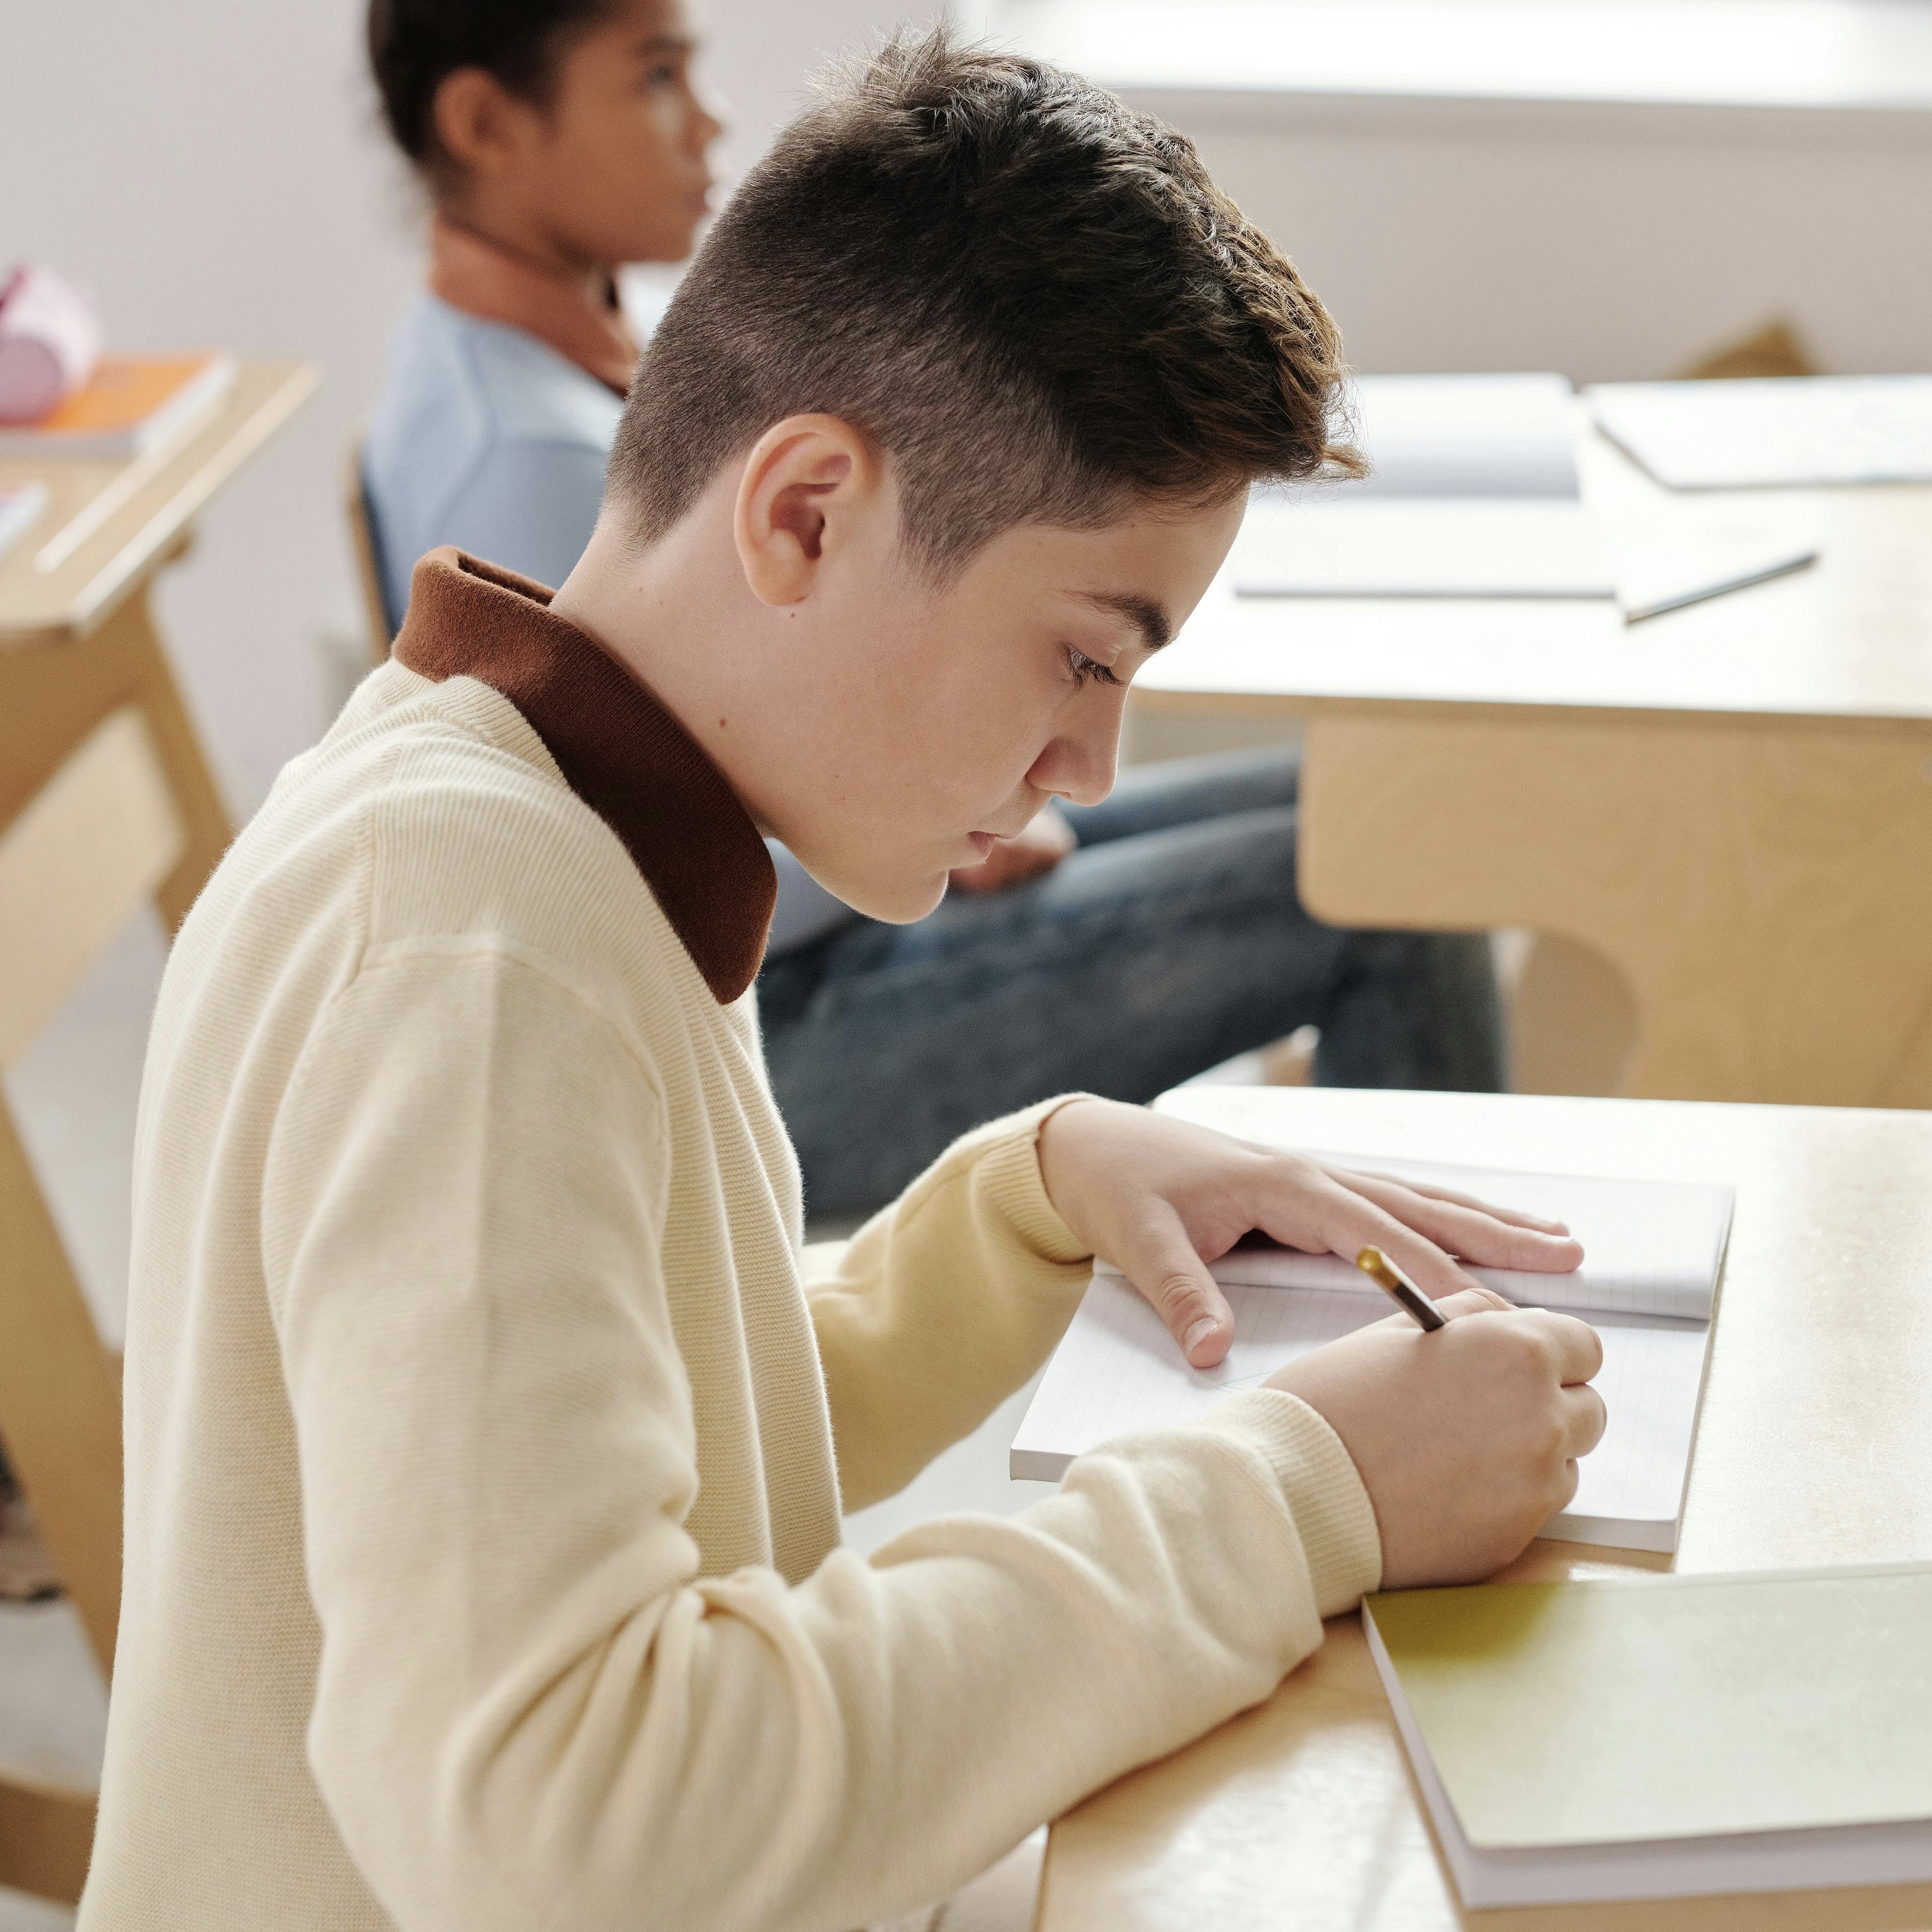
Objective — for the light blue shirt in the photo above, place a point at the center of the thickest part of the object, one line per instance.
(487, 439)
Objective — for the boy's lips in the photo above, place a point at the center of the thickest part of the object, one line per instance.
(983, 842)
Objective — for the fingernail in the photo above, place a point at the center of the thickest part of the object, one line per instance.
(1199, 1333)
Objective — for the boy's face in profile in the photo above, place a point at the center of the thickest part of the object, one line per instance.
(618, 163)
(941, 719)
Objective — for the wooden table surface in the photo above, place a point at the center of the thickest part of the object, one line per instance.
(1850, 637)
(1718, 823)
(107, 524)
(1815, 1447)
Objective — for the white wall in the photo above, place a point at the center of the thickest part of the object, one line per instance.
(1607, 242)
(214, 172)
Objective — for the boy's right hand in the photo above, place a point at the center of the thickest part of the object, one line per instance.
(1466, 1439)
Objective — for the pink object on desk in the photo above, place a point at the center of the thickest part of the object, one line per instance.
(49, 343)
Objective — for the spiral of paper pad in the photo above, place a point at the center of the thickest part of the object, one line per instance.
(49, 343)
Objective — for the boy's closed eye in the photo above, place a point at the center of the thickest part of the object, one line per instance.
(1088, 670)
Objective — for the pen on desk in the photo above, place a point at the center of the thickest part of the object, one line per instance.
(1393, 1282)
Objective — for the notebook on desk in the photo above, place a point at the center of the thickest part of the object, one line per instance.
(1653, 1250)
(132, 406)
(1475, 493)
(1773, 431)
(1671, 1737)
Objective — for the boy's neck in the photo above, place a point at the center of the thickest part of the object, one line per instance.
(678, 617)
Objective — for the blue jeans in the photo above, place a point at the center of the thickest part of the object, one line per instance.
(1172, 939)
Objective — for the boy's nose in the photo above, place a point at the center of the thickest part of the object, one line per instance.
(1080, 768)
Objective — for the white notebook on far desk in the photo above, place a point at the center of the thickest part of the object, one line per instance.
(1475, 493)
(1653, 1250)
(1772, 432)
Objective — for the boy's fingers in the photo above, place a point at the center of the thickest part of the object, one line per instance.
(1585, 1418)
(1471, 1301)
(1515, 1217)
(1467, 1230)
(1465, 1301)
(1578, 1348)
(1352, 1221)
(1328, 1218)
(1169, 1274)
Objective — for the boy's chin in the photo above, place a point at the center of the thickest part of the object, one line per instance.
(895, 900)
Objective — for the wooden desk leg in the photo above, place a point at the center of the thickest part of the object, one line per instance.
(60, 1402)
(46, 1833)
(1761, 884)
(130, 631)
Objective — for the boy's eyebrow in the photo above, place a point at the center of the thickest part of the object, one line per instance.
(1142, 612)
(667, 43)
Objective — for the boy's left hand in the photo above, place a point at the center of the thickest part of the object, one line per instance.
(1038, 849)
(1160, 1198)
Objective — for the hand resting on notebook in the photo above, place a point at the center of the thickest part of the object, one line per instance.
(1466, 1440)
(1161, 1199)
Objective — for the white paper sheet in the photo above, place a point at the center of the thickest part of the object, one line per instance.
(1788, 431)
(1119, 1372)
(1653, 1249)
(1466, 436)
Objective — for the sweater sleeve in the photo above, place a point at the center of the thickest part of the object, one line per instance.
(532, 1707)
(944, 1303)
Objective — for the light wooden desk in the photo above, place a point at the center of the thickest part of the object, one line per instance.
(1815, 1448)
(106, 800)
(1731, 805)
(77, 635)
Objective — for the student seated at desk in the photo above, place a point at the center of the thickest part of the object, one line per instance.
(486, 1454)
(559, 139)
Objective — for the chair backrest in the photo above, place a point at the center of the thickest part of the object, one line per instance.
(94, 842)
(368, 558)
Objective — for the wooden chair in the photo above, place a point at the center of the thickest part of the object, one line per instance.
(368, 564)
(106, 829)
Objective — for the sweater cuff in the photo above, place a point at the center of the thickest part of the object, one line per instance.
(1322, 1487)
(1006, 1178)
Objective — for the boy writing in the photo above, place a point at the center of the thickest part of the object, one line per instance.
(485, 1456)
(558, 138)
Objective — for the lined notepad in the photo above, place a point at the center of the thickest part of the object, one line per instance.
(1653, 1250)
(1675, 1737)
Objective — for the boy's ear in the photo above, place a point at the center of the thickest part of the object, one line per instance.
(478, 121)
(806, 484)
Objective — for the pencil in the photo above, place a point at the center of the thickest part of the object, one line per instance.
(1392, 1281)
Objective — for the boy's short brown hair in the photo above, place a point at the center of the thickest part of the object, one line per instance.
(1034, 300)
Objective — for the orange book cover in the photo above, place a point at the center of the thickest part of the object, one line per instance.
(127, 404)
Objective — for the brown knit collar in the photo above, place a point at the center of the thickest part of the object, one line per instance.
(620, 751)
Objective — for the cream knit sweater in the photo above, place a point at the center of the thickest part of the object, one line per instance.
(485, 1453)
